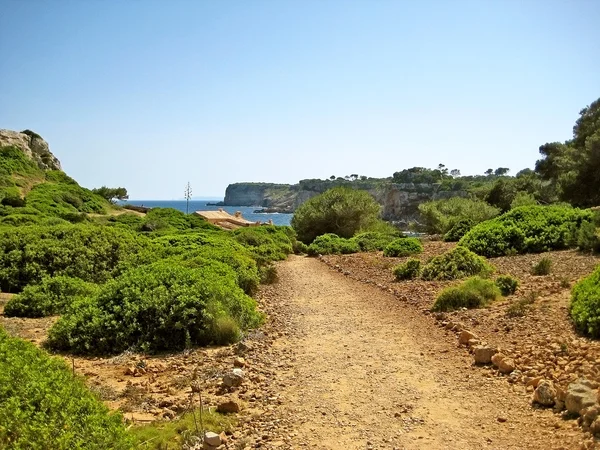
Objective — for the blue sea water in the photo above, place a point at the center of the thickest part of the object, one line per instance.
(201, 205)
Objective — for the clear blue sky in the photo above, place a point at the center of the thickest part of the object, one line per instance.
(151, 94)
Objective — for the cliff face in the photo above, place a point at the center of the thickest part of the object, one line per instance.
(33, 146)
(400, 202)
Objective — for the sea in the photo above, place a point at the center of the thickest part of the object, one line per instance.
(202, 205)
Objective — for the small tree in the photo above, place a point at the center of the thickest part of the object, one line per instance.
(340, 210)
(188, 196)
(111, 194)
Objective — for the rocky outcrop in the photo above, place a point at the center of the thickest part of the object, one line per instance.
(33, 146)
(399, 202)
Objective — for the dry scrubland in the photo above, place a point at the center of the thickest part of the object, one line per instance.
(350, 358)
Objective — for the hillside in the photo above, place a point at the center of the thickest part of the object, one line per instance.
(34, 188)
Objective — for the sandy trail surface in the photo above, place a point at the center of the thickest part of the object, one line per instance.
(366, 371)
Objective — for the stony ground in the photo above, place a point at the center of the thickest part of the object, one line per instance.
(350, 359)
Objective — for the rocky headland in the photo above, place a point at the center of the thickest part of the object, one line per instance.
(399, 201)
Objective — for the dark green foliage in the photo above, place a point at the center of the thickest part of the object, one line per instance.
(64, 200)
(91, 253)
(574, 166)
(472, 293)
(300, 247)
(330, 243)
(507, 284)
(110, 194)
(588, 235)
(542, 267)
(268, 274)
(162, 306)
(266, 243)
(527, 229)
(403, 247)
(42, 406)
(458, 230)
(409, 270)
(441, 215)
(455, 264)
(51, 296)
(371, 241)
(13, 200)
(341, 210)
(585, 305)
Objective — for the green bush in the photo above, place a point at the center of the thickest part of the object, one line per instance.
(371, 241)
(455, 264)
(64, 200)
(588, 237)
(409, 270)
(170, 220)
(43, 406)
(458, 230)
(268, 274)
(403, 247)
(472, 293)
(585, 305)
(330, 243)
(542, 267)
(300, 247)
(266, 243)
(14, 200)
(342, 211)
(527, 229)
(507, 284)
(52, 296)
(441, 215)
(162, 306)
(91, 253)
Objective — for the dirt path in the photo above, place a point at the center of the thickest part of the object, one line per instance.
(367, 371)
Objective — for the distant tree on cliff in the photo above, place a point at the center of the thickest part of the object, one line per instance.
(340, 210)
(112, 194)
(332, 177)
(500, 171)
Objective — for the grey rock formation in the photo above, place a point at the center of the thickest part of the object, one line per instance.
(33, 146)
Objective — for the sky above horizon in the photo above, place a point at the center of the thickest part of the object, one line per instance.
(149, 95)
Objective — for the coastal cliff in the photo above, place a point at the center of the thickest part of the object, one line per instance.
(34, 147)
(399, 201)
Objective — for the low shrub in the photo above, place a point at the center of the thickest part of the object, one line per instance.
(588, 237)
(455, 264)
(43, 406)
(440, 216)
(89, 252)
(527, 229)
(13, 200)
(519, 307)
(162, 306)
(403, 247)
(266, 243)
(330, 243)
(408, 270)
(458, 230)
(585, 305)
(52, 296)
(472, 293)
(542, 267)
(371, 241)
(300, 248)
(268, 274)
(507, 284)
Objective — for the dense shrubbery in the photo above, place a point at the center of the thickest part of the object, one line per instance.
(472, 293)
(528, 229)
(341, 210)
(507, 284)
(169, 220)
(588, 235)
(403, 247)
(43, 406)
(162, 306)
(458, 230)
(441, 215)
(51, 296)
(585, 305)
(92, 253)
(267, 243)
(408, 270)
(330, 243)
(371, 241)
(455, 264)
